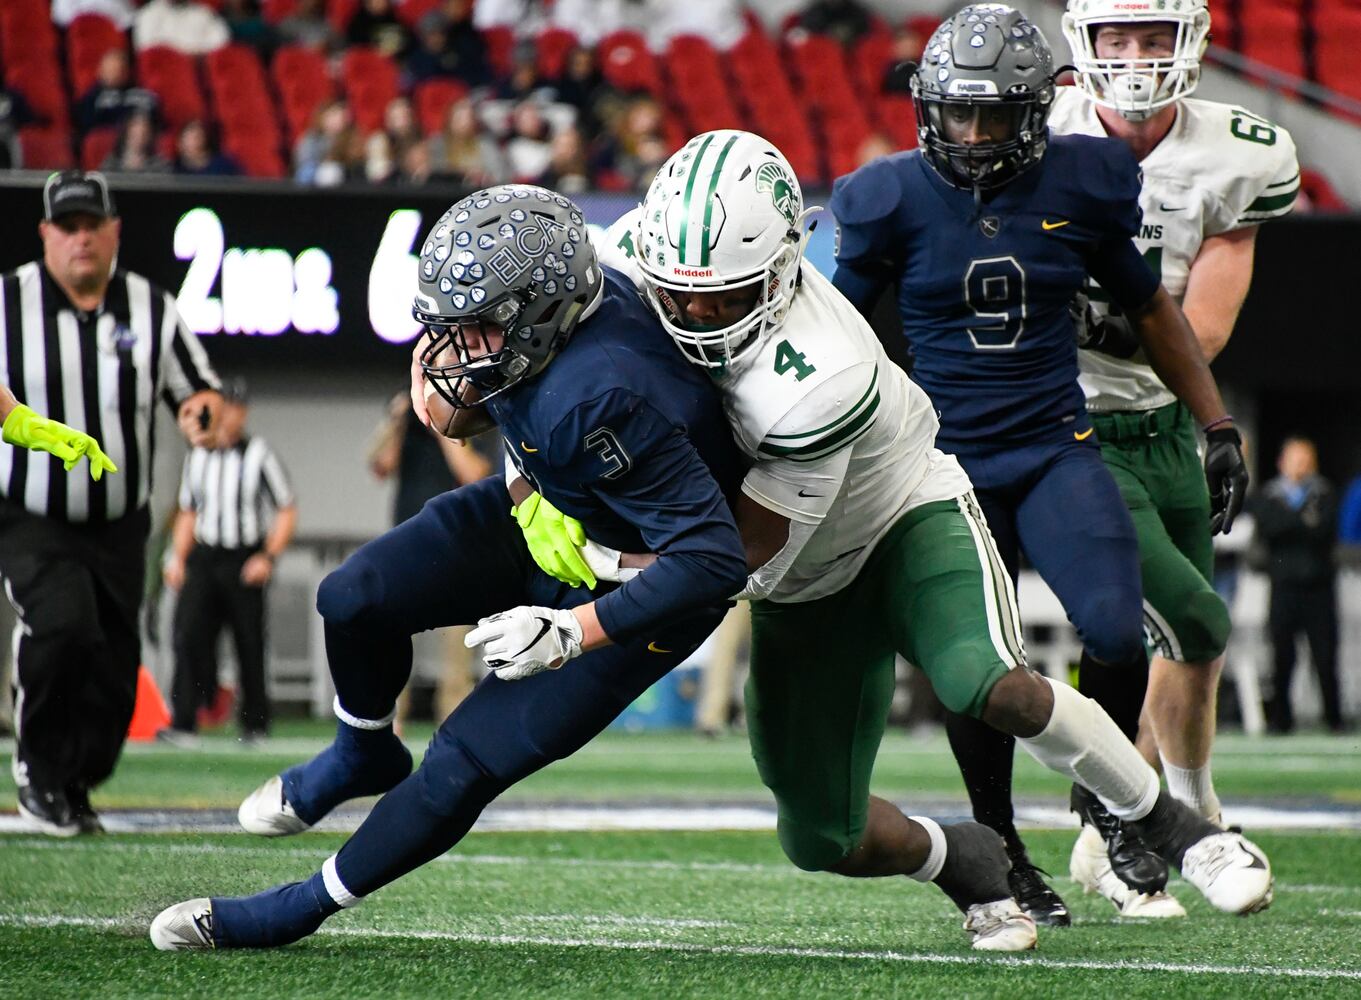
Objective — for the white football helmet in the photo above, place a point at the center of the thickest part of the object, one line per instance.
(1137, 88)
(724, 213)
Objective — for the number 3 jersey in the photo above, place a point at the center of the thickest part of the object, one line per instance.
(1220, 168)
(842, 438)
(984, 287)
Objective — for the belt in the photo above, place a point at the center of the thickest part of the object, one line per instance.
(1127, 425)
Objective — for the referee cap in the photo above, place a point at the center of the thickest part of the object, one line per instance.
(69, 191)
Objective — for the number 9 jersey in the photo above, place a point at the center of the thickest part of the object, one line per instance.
(984, 288)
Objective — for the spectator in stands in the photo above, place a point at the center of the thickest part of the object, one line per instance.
(247, 24)
(583, 87)
(465, 42)
(14, 115)
(196, 155)
(192, 28)
(431, 57)
(417, 167)
(399, 122)
(640, 146)
(376, 25)
(325, 154)
(380, 165)
(119, 12)
(568, 168)
(135, 151)
(528, 145)
(908, 45)
(845, 20)
(1297, 525)
(308, 26)
(112, 97)
(524, 80)
(463, 152)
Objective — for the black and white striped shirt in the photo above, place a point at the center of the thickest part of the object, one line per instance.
(100, 372)
(232, 492)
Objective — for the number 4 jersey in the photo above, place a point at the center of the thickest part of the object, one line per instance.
(984, 287)
(1220, 168)
(842, 438)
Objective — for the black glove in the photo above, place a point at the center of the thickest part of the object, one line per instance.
(1227, 476)
(1107, 334)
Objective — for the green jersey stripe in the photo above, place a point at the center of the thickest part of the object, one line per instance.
(824, 445)
(820, 453)
(689, 188)
(1271, 202)
(1281, 184)
(709, 201)
(848, 415)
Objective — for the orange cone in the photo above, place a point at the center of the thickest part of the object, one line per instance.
(149, 714)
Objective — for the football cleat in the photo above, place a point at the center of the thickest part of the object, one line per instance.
(185, 926)
(999, 926)
(1030, 890)
(1231, 872)
(1090, 867)
(50, 812)
(266, 812)
(1133, 862)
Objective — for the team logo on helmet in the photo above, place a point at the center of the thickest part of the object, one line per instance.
(772, 178)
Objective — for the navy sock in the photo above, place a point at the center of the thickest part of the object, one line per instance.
(359, 762)
(277, 916)
(1119, 688)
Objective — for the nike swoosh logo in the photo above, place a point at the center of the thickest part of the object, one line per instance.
(527, 448)
(1169, 208)
(652, 647)
(1046, 225)
(803, 494)
(1084, 435)
(544, 626)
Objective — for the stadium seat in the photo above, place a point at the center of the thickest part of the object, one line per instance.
(339, 13)
(255, 154)
(897, 119)
(173, 77)
(88, 37)
(552, 47)
(433, 98)
(371, 80)
(26, 33)
(870, 59)
(1322, 196)
(303, 81)
(1272, 32)
(46, 148)
(410, 12)
(275, 11)
(96, 146)
(1336, 65)
(40, 83)
(500, 44)
(626, 63)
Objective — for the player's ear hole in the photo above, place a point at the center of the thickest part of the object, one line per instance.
(548, 313)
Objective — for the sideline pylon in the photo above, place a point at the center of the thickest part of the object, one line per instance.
(149, 714)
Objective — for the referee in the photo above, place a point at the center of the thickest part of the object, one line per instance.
(93, 346)
(224, 549)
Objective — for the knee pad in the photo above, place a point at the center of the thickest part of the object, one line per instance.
(350, 592)
(813, 849)
(451, 780)
(1111, 624)
(1196, 630)
(963, 677)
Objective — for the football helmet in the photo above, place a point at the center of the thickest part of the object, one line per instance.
(1139, 87)
(989, 59)
(724, 214)
(512, 260)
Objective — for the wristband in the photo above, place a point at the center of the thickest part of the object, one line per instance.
(1214, 424)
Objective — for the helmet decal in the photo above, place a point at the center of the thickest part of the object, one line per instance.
(772, 177)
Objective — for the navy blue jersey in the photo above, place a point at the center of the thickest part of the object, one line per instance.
(984, 293)
(621, 432)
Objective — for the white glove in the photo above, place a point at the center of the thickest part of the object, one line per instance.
(527, 640)
(604, 563)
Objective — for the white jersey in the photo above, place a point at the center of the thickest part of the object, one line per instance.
(1220, 168)
(815, 393)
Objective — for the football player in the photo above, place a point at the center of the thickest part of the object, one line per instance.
(1211, 174)
(523, 329)
(864, 541)
(985, 234)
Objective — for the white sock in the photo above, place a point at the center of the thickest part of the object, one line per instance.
(336, 888)
(355, 722)
(935, 860)
(1082, 742)
(1193, 786)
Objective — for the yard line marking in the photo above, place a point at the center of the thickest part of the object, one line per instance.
(777, 951)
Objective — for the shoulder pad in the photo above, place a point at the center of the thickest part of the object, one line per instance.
(1105, 178)
(830, 417)
(868, 194)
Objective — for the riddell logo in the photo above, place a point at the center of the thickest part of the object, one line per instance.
(693, 272)
(1133, 6)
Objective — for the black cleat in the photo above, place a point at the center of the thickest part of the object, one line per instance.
(1030, 890)
(49, 811)
(82, 812)
(1134, 862)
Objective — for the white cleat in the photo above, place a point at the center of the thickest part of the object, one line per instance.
(1090, 867)
(185, 926)
(999, 926)
(1231, 872)
(267, 813)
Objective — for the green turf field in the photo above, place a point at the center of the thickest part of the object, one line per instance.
(649, 914)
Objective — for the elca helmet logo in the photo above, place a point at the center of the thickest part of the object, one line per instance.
(532, 241)
(771, 177)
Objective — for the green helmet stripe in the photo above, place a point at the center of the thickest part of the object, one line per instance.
(689, 189)
(709, 201)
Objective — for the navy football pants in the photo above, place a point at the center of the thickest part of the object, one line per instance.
(460, 559)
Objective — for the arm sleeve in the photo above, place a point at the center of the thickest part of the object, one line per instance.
(184, 362)
(1112, 192)
(186, 497)
(867, 256)
(648, 473)
(1262, 179)
(1119, 268)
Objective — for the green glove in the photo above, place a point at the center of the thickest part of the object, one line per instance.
(555, 541)
(26, 429)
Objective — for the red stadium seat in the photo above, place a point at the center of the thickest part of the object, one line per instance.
(552, 47)
(275, 11)
(96, 146)
(40, 83)
(500, 44)
(26, 33)
(303, 82)
(433, 98)
(870, 60)
(340, 12)
(626, 63)
(256, 155)
(88, 37)
(1272, 33)
(1322, 196)
(1336, 65)
(46, 148)
(173, 77)
(410, 12)
(371, 81)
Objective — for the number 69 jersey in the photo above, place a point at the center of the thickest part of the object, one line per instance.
(1220, 168)
(843, 440)
(984, 288)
